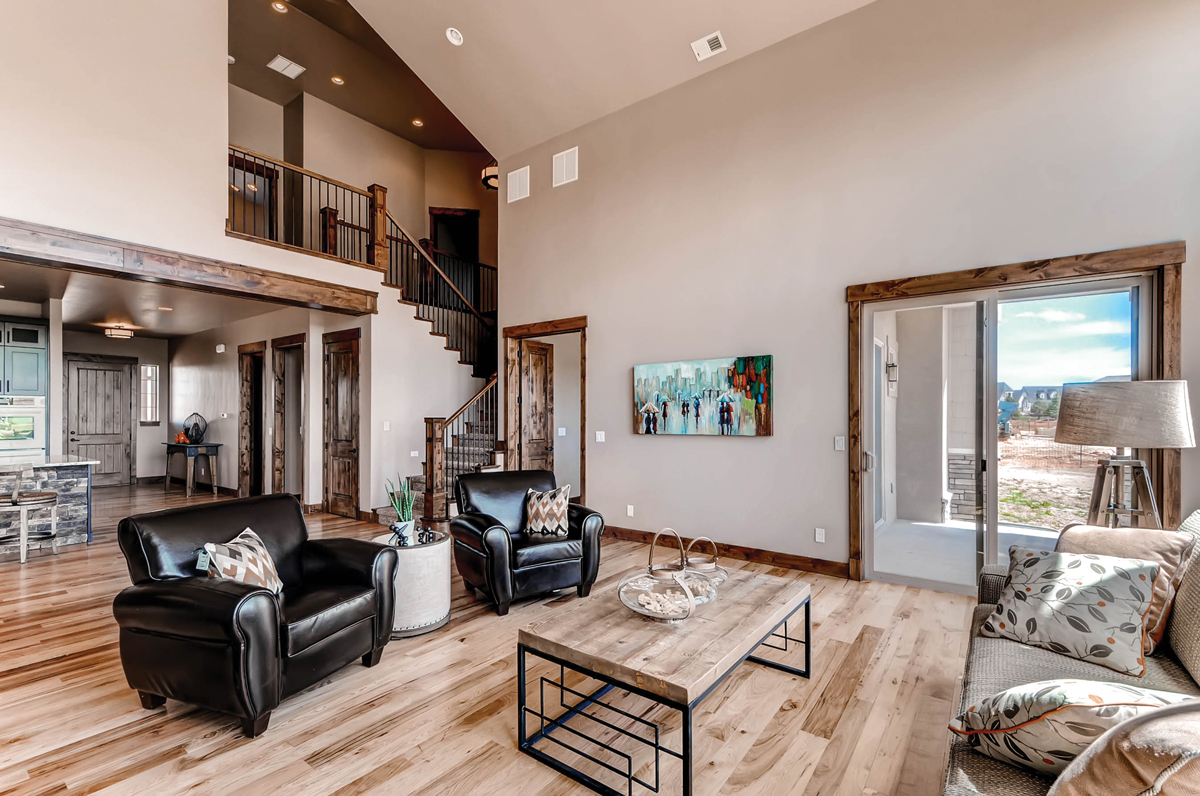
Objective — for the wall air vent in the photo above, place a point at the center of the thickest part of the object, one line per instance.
(566, 166)
(709, 46)
(285, 67)
(518, 184)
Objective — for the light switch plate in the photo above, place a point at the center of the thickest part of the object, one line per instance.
(387, 425)
(820, 534)
(599, 436)
(629, 509)
(415, 454)
(562, 432)
(839, 443)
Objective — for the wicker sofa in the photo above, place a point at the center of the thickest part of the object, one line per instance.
(994, 664)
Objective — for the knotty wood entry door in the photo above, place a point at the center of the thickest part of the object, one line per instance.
(99, 416)
(251, 359)
(341, 422)
(537, 405)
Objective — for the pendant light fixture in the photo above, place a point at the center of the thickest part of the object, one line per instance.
(490, 177)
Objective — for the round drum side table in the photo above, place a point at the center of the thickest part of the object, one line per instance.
(422, 586)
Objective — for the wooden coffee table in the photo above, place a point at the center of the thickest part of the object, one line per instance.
(673, 664)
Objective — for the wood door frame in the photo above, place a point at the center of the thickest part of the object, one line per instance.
(513, 335)
(278, 454)
(340, 337)
(248, 350)
(132, 364)
(1164, 260)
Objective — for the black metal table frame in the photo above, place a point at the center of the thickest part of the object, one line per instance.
(549, 724)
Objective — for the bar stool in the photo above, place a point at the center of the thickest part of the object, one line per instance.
(24, 502)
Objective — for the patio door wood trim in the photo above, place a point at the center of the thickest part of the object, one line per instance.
(1165, 260)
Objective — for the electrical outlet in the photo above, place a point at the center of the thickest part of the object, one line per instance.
(562, 432)
(599, 436)
(387, 425)
(839, 443)
(821, 535)
(629, 510)
(415, 454)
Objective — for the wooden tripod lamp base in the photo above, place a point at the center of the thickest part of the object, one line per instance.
(1108, 495)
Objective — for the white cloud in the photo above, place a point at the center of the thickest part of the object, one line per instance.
(1053, 365)
(1054, 316)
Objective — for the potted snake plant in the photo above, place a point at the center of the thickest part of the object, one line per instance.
(402, 498)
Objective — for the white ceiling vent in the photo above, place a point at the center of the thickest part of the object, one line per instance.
(518, 184)
(285, 67)
(709, 46)
(566, 166)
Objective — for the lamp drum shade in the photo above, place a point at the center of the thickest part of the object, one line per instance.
(1126, 414)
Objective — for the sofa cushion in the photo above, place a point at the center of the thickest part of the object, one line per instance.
(311, 614)
(1044, 725)
(1085, 606)
(996, 664)
(1183, 629)
(547, 552)
(1155, 753)
(1171, 550)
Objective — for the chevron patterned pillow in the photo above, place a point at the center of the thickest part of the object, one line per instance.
(244, 559)
(546, 512)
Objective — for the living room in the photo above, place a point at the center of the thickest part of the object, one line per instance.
(762, 209)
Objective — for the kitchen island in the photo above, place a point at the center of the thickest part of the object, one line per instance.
(71, 478)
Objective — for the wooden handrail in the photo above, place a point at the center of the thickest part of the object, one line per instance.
(491, 383)
(439, 271)
(298, 169)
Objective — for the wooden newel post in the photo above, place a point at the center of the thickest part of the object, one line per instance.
(377, 253)
(329, 228)
(435, 470)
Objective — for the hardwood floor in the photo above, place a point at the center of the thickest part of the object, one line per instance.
(437, 716)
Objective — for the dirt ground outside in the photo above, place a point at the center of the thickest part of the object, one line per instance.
(1046, 484)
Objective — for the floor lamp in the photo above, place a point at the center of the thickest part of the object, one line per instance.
(1121, 415)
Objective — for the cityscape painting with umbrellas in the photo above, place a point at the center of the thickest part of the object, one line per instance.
(709, 397)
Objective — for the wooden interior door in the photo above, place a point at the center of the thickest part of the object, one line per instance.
(537, 405)
(251, 359)
(341, 423)
(99, 415)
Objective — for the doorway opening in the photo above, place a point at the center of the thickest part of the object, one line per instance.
(341, 422)
(455, 232)
(287, 464)
(251, 361)
(545, 400)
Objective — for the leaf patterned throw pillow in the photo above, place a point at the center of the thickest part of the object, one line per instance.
(1046, 725)
(1086, 606)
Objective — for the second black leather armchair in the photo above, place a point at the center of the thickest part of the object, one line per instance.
(496, 558)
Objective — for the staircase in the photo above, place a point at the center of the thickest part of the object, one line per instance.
(296, 209)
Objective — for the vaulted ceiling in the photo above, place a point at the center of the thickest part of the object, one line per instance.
(529, 70)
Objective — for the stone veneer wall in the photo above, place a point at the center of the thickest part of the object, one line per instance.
(961, 480)
(70, 481)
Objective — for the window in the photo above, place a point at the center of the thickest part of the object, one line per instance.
(148, 395)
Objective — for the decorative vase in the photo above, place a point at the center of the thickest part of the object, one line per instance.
(402, 533)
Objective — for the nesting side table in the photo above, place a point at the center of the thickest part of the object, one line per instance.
(422, 586)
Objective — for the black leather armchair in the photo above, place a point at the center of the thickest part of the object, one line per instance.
(495, 557)
(237, 648)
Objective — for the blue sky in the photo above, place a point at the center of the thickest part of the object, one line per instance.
(1061, 340)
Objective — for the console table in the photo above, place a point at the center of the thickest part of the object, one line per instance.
(206, 449)
(675, 665)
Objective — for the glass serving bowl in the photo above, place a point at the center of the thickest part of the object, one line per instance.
(666, 592)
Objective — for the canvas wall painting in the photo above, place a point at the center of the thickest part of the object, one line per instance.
(707, 397)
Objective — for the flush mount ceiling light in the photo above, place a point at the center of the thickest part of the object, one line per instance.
(280, 7)
(251, 187)
(454, 36)
(232, 60)
(286, 67)
(166, 309)
(337, 81)
(119, 332)
(234, 188)
(418, 123)
(490, 176)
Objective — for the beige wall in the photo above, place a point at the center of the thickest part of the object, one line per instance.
(151, 456)
(727, 216)
(146, 160)
(452, 180)
(255, 123)
(921, 415)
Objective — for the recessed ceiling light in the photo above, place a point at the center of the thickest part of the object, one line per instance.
(454, 36)
(234, 188)
(166, 309)
(418, 123)
(251, 187)
(337, 81)
(232, 60)
(280, 7)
